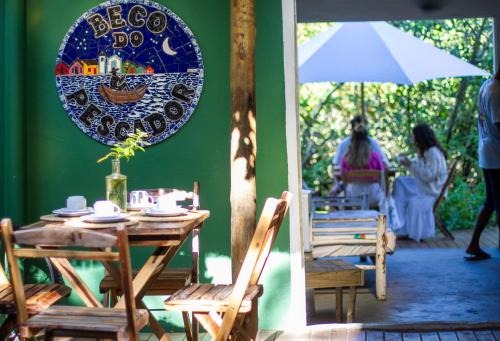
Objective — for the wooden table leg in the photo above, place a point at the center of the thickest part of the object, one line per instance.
(380, 260)
(154, 265)
(351, 304)
(75, 281)
(159, 332)
(338, 304)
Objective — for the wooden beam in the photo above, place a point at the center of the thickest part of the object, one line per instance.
(243, 129)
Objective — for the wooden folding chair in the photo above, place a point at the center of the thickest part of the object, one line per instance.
(439, 199)
(364, 176)
(38, 296)
(170, 279)
(120, 324)
(221, 309)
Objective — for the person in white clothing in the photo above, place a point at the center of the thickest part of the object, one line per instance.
(414, 195)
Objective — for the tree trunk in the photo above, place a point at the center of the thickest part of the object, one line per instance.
(243, 130)
(464, 83)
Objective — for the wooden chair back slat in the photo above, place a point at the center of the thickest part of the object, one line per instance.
(67, 254)
(64, 236)
(196, 195)
(180, 195)
(449, 178)
(271, 235)
(362, 175)
(255, 259)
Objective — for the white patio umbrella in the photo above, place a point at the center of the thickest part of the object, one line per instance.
(376, 52)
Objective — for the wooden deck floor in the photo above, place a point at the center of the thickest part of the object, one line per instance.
(489, 239)
(345, 334)
(450, 332)
(341, 335)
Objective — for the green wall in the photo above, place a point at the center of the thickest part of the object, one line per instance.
(52, 159)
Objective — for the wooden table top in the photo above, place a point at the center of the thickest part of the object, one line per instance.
(328, 273)
(142, 230)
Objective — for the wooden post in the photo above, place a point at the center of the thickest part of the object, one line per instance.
(380, 259)
(243, 129)
(338, 304)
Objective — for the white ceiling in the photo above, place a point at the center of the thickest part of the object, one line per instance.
(361, 10)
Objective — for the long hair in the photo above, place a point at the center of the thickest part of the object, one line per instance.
(360, 148)
(425, 139)
(497, 74)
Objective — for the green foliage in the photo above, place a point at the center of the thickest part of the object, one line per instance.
(392, 110)
(459, 209)
(128, 147)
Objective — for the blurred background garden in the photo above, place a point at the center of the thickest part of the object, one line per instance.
(448, 105)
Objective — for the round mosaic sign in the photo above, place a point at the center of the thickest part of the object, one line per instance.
(127, 65)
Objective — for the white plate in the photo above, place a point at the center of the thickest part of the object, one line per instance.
(154, 212)
(66, 212)
(92, 218)
(139, 207)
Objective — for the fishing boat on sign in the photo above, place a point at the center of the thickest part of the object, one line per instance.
(122, 96)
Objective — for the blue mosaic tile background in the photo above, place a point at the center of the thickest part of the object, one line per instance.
(84, 62)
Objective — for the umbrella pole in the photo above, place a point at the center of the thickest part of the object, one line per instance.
(363, 114)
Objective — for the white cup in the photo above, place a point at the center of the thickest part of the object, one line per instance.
(140, 198)
(166, 203)
(76, 203)
(106, 208)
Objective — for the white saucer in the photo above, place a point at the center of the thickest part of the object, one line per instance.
(66, 212)
(139, 207)
(154, 212)
(92, 218)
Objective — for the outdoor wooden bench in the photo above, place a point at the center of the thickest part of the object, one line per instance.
(337, 274)
(348, 233)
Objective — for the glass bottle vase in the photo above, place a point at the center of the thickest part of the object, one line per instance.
(116, 186)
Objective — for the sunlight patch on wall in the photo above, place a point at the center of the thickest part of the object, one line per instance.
(276, 298)
(218, 268)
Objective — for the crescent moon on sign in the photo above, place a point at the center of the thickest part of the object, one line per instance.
(167, 49)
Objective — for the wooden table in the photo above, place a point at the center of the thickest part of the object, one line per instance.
(166, 233)
(350, 228)
(327, 273)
